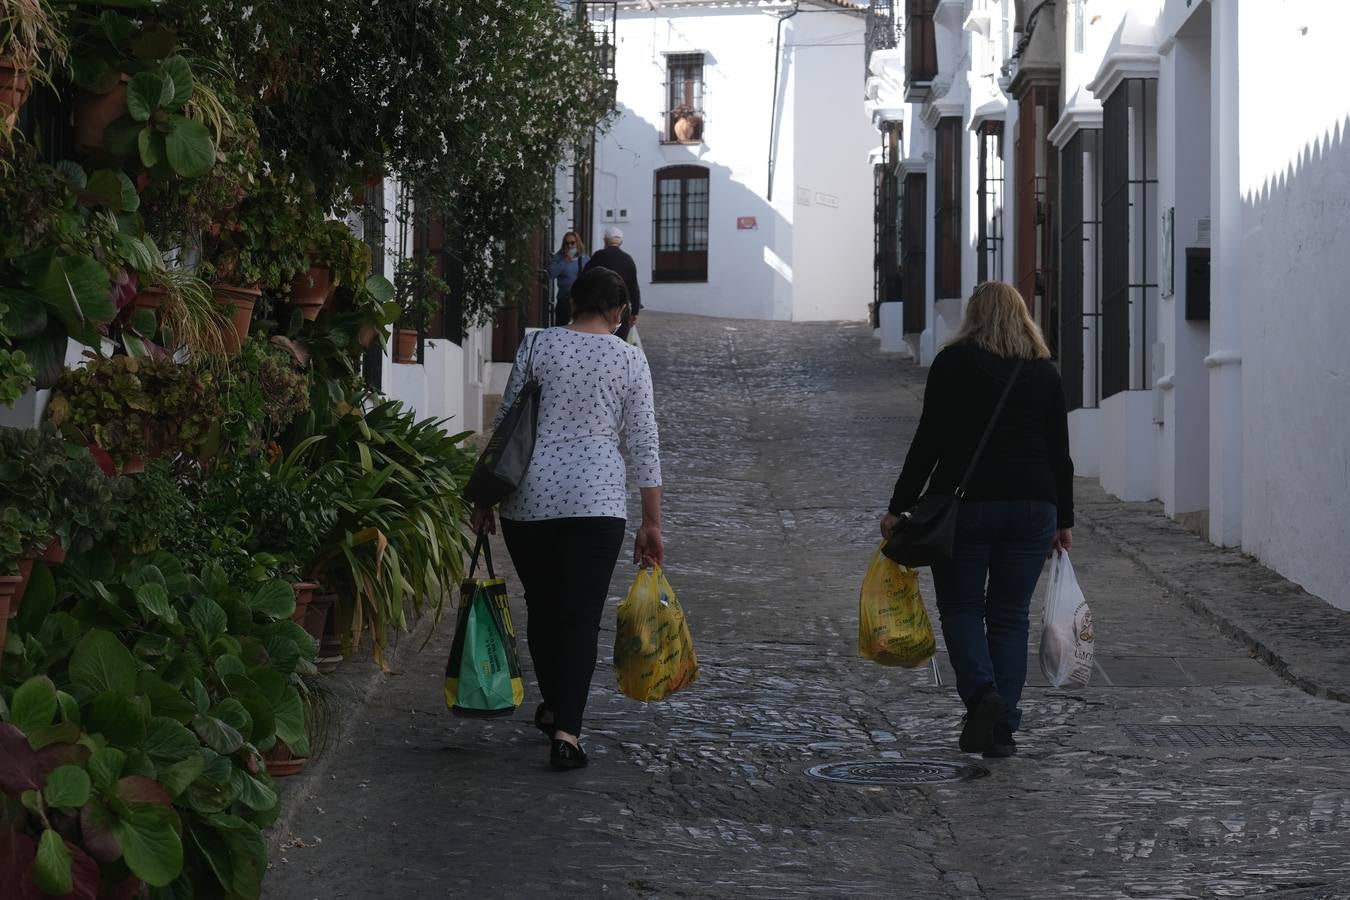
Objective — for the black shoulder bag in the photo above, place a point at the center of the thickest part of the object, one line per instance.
(927, 530)
(502, 465)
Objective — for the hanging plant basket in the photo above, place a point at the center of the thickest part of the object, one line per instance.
(311, 291)
(15, 87)
(243, 300)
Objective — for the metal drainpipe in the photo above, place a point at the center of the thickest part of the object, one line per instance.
(773, 107)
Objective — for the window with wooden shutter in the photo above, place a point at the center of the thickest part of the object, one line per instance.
(680, 238)
(684, 107)
(947, 212)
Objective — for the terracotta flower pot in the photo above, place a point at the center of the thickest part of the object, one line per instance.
(311, 290)
(150, 298)
(25, 574)
(14, 89)
(55, 554)
(405, 345)
(330, 642)
(243, 299)
(133, 466)
(281, 762)
(687, 128)
(304, 595)
(8, 583)
(95, 112)
(316, 615)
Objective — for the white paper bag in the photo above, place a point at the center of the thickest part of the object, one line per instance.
(1066, 629)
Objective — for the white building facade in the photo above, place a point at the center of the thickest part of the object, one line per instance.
(732, 167)
(1166, 181)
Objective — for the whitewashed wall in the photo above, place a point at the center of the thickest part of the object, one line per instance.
(765, 273)
(1292, 267)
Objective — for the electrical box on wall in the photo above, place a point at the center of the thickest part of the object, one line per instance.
(614, 215)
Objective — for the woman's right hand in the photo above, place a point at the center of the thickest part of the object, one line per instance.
(648, 549)
(888, 523)
(1063, 541)
(483, 519)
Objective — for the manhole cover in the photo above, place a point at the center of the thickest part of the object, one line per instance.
(898, 772)
(1311, 737)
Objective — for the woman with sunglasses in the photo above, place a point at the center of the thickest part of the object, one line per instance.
(565, 266)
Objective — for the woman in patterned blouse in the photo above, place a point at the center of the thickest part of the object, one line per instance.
(564, 525)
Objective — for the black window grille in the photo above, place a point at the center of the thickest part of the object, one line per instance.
(1129, 208)
(886, 216)
(684, 99)
(990, 227)
(921, 63)
(1080, 271)
(680, 232)
(947, 210)
(46, 122)
(880, 32)
(913, 243)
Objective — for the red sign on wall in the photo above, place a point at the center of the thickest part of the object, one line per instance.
(746, 223)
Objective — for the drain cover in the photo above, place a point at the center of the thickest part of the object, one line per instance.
(897, 772)
(1310, 737)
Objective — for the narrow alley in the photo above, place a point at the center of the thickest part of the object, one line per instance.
(1186, 769)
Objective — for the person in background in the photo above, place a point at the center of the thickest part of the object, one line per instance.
(1017, 509)
(564, 524)
(613, 257)
(565, 267)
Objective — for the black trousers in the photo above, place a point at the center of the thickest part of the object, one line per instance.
(565, 566)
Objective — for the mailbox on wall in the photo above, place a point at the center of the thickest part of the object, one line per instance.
(1197, 284)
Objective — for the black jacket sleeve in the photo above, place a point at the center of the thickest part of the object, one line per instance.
(634, 289)
(1057, 444)
(926, 447)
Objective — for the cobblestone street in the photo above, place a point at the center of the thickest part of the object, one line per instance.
(780, 445)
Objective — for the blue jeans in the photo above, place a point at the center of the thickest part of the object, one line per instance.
(984, 594)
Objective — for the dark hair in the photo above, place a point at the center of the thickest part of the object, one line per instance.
(598, 290)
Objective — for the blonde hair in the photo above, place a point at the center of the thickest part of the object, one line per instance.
(997, 320)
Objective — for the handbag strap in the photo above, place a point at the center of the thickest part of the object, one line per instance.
(529, 359)
(989, 429)
(485, 548)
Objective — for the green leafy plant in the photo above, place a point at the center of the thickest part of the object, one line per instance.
(262, 241)
(335, 246)
(418, 290)
(14, 531)
(32, 42)
(137, 408)
(65, 494)
(155, 130)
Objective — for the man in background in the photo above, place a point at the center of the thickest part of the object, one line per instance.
(612, 257)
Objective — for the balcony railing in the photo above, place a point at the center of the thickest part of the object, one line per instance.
(883, 31)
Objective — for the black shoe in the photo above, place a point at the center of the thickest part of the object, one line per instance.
(988, 711)
(567, 756)
(546, 727)
(1003, 744)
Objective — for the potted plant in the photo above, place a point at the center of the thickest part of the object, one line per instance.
(417, 292)
(29, 31)
(132, 409)
(336, 257)
(688, 124)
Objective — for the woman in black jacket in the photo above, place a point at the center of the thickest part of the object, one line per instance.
(1018, 505)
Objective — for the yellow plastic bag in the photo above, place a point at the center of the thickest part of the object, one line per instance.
(653, 652)
(893, 626)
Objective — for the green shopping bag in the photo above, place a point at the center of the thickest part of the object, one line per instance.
(482, 677)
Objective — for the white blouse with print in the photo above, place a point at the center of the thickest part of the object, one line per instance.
(596, 390)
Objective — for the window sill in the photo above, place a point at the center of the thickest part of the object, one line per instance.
(657, 279)
(669, 143)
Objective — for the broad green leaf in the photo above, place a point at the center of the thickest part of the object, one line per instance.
(47, 735)
(189, 148)
(275, 599)
(263, 718)
(165, 699)
(252, 792)
(105, 767)
(168, 741)
(283, 654)
(290, 717)
(143, 321)
(96, 823)
(219, 736)
(76, 289)
(200, 696)
(181, 73)
(100, 664)
(150, 844)
(73, 173)
(67, 787)
(229, 665)
(232, 713)
(137, 789)
(104, 189)
(70, 707)
(270, 683)
(51, 869)
(177, 777)
(208, 619)
(380, 288)
(153, 599)
(121, 137)
(131, 199)
(120, 719)
(150, 146)
(145, 94)
(34, 704)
